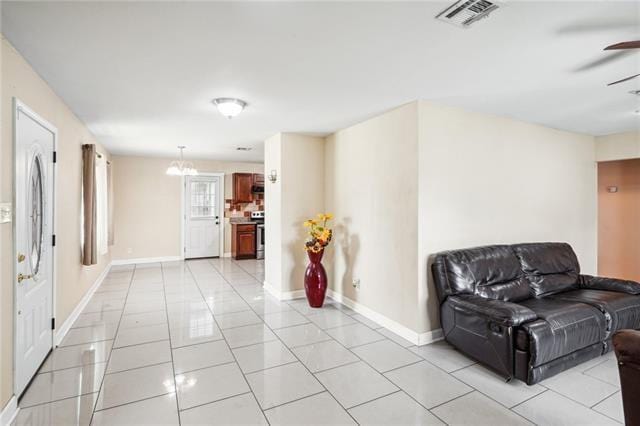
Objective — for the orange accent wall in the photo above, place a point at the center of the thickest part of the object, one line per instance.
(619, 219)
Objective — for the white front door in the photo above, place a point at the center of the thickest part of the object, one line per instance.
(202, 216)
(33, 243)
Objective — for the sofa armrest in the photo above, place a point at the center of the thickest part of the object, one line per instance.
(626, 343)
(504, 313)
(611, 284)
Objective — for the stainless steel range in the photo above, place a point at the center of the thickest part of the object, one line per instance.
(258, 217)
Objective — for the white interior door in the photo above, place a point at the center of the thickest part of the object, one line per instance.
(202, 216)
(33, 242)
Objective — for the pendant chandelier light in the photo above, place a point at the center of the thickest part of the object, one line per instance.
(181, 167)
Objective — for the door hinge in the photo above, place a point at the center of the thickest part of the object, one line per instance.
(53, 323)
(55, 156)
(53, 240)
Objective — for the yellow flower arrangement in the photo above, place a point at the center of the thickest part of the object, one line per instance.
(319, 235)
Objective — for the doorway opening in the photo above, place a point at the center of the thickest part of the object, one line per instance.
(619, 219)
(203, 216)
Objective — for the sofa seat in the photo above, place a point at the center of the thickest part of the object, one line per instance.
(562, 327)
(621, 310)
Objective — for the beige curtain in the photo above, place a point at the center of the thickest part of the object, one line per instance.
(110, 202)
(89, 247)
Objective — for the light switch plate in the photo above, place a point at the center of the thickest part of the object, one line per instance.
(5, 212)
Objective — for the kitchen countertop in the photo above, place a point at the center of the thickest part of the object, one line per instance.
(245, 222)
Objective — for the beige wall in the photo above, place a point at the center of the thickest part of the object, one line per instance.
(424, 178)
(296, 196)
(72, 279)
(486, 179)
(148, 204)
(619, 146)
(371, 186)
(273, 210)
(302, 198)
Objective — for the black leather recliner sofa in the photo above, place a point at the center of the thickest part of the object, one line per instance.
(526, 311)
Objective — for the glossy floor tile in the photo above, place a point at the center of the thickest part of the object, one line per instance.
(489, 383)
(263, 355)
(282, 319)
(135, 385)
(70, 411)
(136, 356)
(94, 333)
(61, 384)
(77, 355)
(611, 407)
(202, 355)
(354, 384)
(354, 335)
(248, 335)
(300, 335)
(209, 385)
(237, 319)
(395, 409)
(140, 335)
(427, 384)
(477, 409)
(324, 355)
(160, 410)
(551, 408)
(386, 355)
(201, 342)
(238, 410)
(320, 409)
(279, 385)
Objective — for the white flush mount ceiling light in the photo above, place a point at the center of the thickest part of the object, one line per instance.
(229, 107)
(181, 167)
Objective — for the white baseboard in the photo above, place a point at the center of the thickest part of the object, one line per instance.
(226, 254)
(419, 339)
(9, 412)
(283, 295)
(146, 260)
(61, 331)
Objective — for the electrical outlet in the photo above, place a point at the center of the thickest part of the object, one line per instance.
(356, 283)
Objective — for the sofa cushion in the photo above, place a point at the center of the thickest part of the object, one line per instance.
(621, 310)
(493, 272)
(549, 267)
(562, 327)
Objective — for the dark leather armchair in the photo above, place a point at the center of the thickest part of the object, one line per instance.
(526, 311)
(627, 346)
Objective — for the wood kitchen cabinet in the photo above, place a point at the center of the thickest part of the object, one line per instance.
(258, 179)
(242, 184)
(243, 241)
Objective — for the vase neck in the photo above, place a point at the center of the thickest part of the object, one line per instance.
(315, 257)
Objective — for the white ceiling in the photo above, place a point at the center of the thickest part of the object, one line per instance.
(142, 75)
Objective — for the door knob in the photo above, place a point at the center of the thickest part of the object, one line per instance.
(21, 257)
(22, 277)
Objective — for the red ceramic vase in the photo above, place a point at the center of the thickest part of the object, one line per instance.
(315, 280)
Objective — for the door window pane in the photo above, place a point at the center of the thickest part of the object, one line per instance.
(203, 199)
(36, 209)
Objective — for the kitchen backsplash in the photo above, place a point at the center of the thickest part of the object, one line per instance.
(235, 210)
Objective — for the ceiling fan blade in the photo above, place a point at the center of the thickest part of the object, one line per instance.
(624, 79)
(624, 45)
(604, 59)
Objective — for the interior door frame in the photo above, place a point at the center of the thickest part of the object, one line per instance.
(21, 107)
(183, 211)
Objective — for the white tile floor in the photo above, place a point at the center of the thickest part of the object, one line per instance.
(201, 343)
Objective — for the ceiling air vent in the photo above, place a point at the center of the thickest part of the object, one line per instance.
(464, 13)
